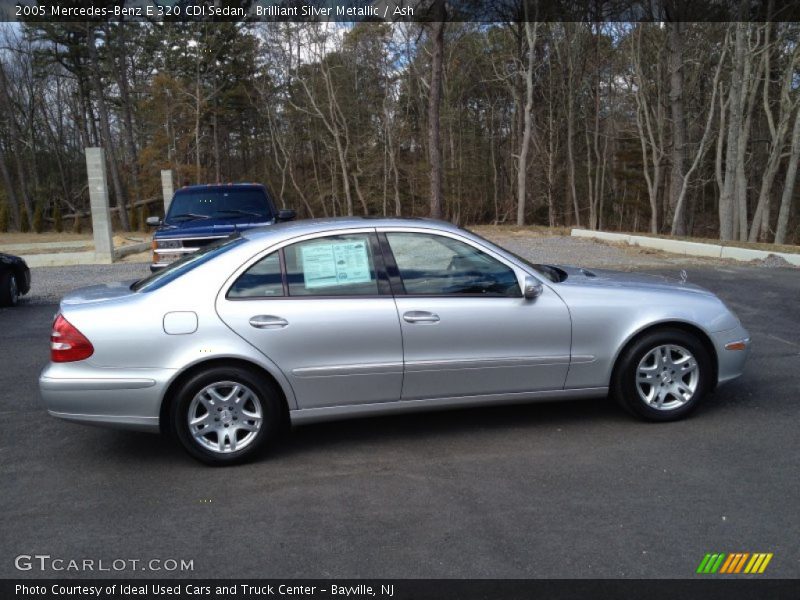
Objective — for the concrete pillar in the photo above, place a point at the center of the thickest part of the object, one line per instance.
(167, 187)
(98, 201)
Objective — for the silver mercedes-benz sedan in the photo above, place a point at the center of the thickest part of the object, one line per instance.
(324, 319)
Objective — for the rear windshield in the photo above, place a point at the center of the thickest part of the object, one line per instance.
(180, 267)
(219, 203)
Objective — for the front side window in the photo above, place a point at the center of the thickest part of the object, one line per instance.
(438, 265)
(262, 280)
(340, 265)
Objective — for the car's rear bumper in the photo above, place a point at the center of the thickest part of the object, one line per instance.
(128, 399)
(733, 348)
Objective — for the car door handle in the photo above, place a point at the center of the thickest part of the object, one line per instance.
(420, 316)
(268, 322)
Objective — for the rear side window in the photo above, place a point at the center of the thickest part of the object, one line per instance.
(340, 265)
(262, 280)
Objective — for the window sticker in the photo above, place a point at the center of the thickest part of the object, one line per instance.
(336, 263)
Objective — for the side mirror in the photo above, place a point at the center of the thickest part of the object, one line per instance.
(153, 221)
(533, 289)
(286, 214)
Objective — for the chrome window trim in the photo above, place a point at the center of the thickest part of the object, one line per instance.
(519, 269)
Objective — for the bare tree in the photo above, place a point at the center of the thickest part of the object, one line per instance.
(572, 48)
(649, 124)
(436, 33)
(789, 183)
(10, 115)
(726, 200)
(676, 79)
(681, 184)
(531, 30)
(778, 132)
(375, 118)
(11, 193)
(332, 117)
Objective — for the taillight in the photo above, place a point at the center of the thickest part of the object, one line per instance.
(67, 344)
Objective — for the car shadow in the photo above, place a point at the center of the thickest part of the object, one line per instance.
(444, 426)
(411, 427)
(448, 424)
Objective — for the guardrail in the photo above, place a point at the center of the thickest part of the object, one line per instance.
(686, 248)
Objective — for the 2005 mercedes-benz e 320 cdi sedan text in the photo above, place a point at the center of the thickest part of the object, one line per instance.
(324, 319)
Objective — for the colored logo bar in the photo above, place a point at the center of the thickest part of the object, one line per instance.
(734, 563)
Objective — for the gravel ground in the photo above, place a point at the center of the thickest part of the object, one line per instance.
(49, 284)
(566, 250)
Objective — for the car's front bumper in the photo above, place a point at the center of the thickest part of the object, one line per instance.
(733, 348)
(128, 399)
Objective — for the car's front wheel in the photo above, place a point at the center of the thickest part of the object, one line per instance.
(226, 414)
(9, 289)
(663, 375)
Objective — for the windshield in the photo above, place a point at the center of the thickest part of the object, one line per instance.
(187, 263)
(219, 203)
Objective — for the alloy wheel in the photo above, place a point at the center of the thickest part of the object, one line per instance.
(667, 377)
(225, 417)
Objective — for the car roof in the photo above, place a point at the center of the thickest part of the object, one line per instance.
(307, 226)
(218, 186)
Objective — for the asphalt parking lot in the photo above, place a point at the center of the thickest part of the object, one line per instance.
(576, 489)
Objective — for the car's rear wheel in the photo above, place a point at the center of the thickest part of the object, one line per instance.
(9, 289)
(663, 375)
(226, 414)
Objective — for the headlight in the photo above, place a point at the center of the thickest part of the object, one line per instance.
(169, 244)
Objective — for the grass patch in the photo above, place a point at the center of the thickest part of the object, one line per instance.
(536, 230)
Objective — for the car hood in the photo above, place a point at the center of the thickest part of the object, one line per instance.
(209, 227)
(10, 259)
(627, 280)
(98, 293)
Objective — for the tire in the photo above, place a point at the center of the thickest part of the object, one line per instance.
(9, 289)
(663, 375)
(236, 413)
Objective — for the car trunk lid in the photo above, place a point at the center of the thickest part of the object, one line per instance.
(98, 293)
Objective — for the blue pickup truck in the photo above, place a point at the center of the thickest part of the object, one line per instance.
(201, 214)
